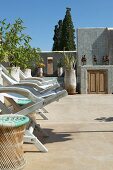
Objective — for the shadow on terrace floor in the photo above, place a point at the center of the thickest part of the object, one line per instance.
(105, 119)
(53, 136)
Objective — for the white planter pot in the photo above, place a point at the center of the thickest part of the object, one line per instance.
(60, 71)
(70, 81)
(15, 73)
(1, 82)
(40, 72)
(1, 79)
(27, 72)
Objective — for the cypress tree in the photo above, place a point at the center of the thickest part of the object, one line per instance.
(67, 39)
(60, 23)
(57, 36)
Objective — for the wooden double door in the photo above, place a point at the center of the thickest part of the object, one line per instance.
(97, 82)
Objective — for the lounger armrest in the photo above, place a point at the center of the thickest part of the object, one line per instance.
(34, 78)
(50, 88)
(51, 83)
(33, 85)
(41, 80)
(31, 81)
(21, 91)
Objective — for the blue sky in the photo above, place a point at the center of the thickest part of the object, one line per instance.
(40, 16)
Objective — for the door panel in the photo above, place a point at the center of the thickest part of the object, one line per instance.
(101, 83)
(92, 84)
(97, 82)
(50, 66)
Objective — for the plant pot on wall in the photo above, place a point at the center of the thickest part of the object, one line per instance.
(2, 83)
(40, 72)
(60, 71)
(70, 81)
(15, 73)
(27, 72)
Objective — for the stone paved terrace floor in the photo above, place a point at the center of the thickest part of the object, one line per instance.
(80, 129)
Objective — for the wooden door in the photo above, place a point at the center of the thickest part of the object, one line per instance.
(50, 65)
(97, 82)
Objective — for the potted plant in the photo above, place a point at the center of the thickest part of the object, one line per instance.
(106, 59)
(29, 56)
(15, 45)
(60, 65)
(70, 76)
(40, 65)
(83, 60)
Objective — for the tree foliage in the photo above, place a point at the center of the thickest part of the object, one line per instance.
(57, 36)
(64, 34)
(67, 40)
(15, 45)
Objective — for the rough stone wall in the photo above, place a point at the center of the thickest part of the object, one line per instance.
(110, 45)
(90, 42)
(56, 56)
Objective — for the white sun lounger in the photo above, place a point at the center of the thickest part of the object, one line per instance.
(36, 103)
(24, 77)
(27, 84)
(39, 81)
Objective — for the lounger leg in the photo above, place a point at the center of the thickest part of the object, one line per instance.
(45, 111)
(41, 113)
(30, 138)
(33, 125)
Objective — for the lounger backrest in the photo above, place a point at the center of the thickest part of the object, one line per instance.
(4, 69)
(22, 75)
(8, 79)
(6, 72)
